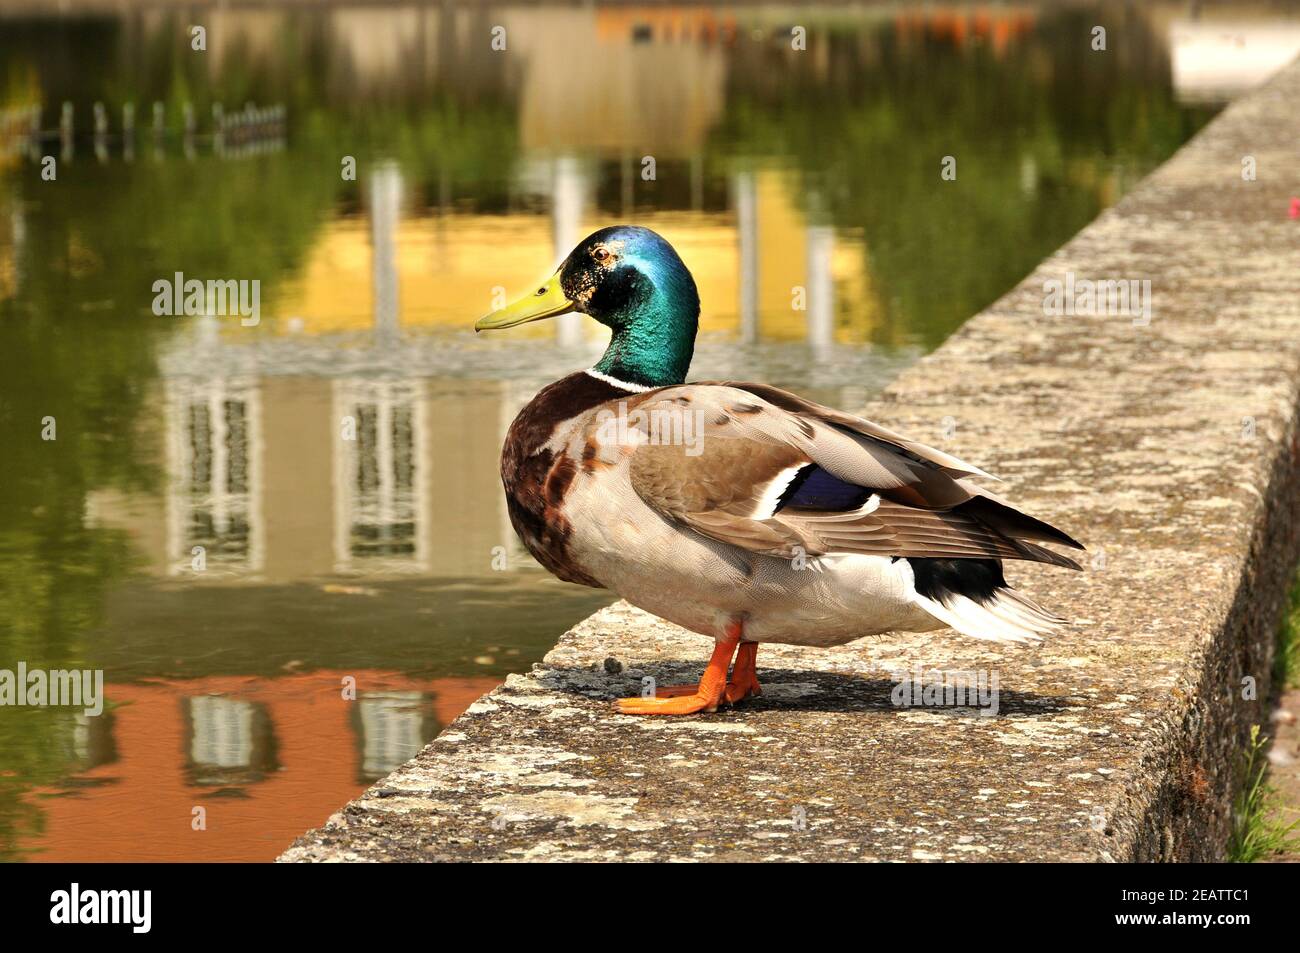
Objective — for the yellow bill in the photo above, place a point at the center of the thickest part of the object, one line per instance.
(546, 302)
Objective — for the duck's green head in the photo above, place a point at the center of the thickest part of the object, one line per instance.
(631, 280)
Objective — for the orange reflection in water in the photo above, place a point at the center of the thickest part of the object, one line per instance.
(267, 758)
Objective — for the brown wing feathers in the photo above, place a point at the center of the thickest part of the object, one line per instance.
(920, 504)
(798, 405)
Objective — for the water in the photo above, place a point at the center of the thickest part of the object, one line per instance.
(203, 529)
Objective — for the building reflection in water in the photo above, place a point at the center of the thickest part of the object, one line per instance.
(382, 504)
(304, 448)
(264, 757)
(231, 741)
(213, 507)
(88, 742)
(392, 728)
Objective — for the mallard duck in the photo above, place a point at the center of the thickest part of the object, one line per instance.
(738, 510)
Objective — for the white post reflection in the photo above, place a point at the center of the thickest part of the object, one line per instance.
(18, 231)
(820, 241)
(385, 214)
(566, 223)
(746, 198)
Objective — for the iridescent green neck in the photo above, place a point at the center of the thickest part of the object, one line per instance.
(653, 341)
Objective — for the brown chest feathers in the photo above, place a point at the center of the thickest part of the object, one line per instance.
(536, 477)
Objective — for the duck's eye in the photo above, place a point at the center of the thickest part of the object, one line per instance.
(601, 254)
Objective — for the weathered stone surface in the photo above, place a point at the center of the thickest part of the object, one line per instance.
(1171, 448)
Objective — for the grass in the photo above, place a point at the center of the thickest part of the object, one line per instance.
(1257, 832)
(1286, 662)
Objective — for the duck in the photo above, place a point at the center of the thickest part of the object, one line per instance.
(738, 510)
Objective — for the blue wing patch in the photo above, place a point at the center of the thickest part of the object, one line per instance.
(815, 489)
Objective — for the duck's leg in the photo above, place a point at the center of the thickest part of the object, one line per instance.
(707, 695)
(742, 684)
(744, 677)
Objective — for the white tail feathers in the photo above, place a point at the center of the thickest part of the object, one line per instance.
(1007, 617)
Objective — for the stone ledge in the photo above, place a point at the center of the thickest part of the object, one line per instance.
(1117, 740)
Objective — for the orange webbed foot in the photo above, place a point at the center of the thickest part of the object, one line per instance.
(713, 688)
(684, 705)
(737, 693)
